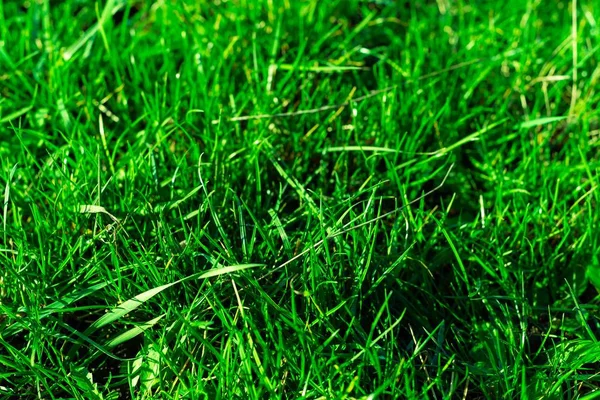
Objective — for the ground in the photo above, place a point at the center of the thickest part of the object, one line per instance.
(299, 199)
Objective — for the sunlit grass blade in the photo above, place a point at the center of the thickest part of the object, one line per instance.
(137, 301)
(540, 121)
(131, 333)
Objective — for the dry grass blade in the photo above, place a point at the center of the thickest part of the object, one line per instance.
(92, 209)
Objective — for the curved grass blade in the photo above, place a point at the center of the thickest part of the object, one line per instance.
(133, 303)
(54, 307)
(141, 298)
(133, 332)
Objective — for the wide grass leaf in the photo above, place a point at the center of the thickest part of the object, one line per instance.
(141, 298)
(133, 332)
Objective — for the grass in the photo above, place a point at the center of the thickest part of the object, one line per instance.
(297, 199)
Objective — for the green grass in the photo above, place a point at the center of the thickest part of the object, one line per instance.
(299, 199)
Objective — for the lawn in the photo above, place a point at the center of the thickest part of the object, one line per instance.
(278, 199)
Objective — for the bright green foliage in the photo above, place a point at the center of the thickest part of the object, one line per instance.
(299, 199)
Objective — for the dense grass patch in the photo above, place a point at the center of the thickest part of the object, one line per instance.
(299, 199)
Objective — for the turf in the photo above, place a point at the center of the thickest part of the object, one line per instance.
(299, 199)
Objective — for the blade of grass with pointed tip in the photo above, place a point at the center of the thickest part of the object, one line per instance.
(540, 121)
(15, 114)
(141, 298)
(55, 307)
(109, 8)
(7, 197)
(69, 299)
(133, 332)
(135, 302)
